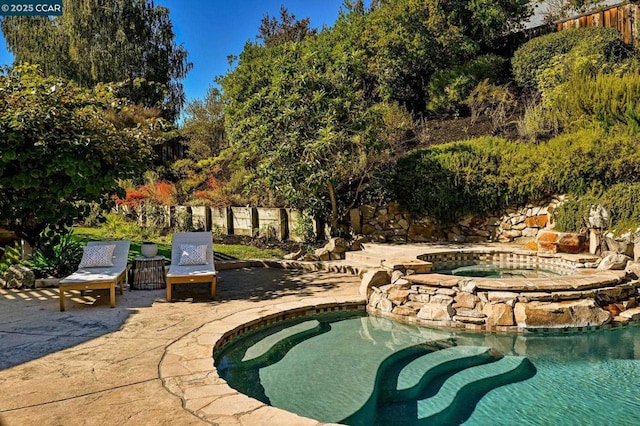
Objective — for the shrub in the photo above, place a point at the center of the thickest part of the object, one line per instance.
(537, 54)
(487, 174)
(607, 99)
(57, 256)
(449, 88)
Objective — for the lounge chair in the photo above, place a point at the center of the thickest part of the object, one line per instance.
(94, 272)
(192, 261)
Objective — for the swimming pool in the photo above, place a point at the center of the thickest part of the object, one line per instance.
(368, 370)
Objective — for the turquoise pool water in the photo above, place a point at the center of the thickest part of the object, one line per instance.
(485, 270)
(364, 370)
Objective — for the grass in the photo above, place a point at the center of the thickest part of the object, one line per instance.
(226, 251)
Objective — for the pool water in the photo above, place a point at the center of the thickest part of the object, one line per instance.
(363, 370)
(499, 271)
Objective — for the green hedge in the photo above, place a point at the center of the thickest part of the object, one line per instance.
(537, 54)
(485, 175)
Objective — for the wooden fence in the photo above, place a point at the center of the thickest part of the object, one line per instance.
(621, 16)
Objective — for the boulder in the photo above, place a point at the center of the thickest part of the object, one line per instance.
(571, 313)
(373, 278)
(614, 261)
(322, 254)
(337, 245)
(570, 243)
(622, 244)
(499, 314)
(598, 217)
(18, 276)
(548, 241)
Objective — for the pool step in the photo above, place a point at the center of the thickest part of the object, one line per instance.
(265, 345)
(423, 371)
(457, 398)
(272, 348)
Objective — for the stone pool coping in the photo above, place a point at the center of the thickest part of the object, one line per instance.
(186, 367)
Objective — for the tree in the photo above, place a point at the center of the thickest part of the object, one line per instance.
(107, 41)
(273, 32)
(204, 126)
(57, 148)
(299, 122)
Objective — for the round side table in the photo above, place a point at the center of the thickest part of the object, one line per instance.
(148, 273)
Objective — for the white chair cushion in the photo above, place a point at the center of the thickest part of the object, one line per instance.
(193, 255)
(97, 256)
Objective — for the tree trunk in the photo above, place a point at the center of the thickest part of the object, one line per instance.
(334, 208)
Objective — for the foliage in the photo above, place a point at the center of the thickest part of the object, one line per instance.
(608, 99)
(11, 255)
(487, 174)
(299, 125)
(303, 229)
(621, 201)
(448, 89)
(273, 32)
(496, 102)
(57, 256)
(57, 149)
(204, 126)
(411, 40)
(106, 41)
(538, 54)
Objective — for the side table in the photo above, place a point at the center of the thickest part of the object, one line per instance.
(148, 273)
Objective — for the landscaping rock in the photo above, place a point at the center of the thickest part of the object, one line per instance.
(18, 276)
(536, 221)
(621, 244)
(337, 245)
(598, 217)
(294, 256)
(436, 312)
(570, 243)
(373, 278)
(465, 300)
(499, 314)
(322, 254)
(574, 313)
(614, 261)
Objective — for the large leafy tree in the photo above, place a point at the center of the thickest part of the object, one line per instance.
(107, 41)
(299, 121)
(58, 148)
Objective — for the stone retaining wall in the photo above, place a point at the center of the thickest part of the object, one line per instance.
(390, 223)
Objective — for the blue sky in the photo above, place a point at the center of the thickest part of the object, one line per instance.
(211, 30)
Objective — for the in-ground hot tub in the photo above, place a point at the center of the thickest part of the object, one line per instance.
(575, 297)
